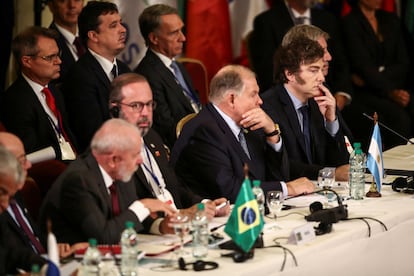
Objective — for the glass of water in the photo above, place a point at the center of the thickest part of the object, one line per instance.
(274, 201)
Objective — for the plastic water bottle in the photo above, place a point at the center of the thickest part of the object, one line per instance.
(200, 233)
(260, 197)
(91, 259)
(35, 271)
(129, 250)
(357, 174)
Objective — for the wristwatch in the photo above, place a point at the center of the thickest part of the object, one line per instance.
(275, 132)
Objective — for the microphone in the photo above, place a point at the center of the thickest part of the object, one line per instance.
(389, 129)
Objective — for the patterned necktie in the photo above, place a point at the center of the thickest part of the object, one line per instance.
(26, 229)
(300, 20)
(50, 101)
(114, 199)
(306, 131)
(187, 91)
(79, 46)
(243, 143)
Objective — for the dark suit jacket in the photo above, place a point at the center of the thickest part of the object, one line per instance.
(183, 196)
(23, 114)
(86, 91)
(80, 208)
(172, 105)
(17, 237)
(327, 151)
(67, 58)
(209, 157)
(366, 53)
(12, 257)
(269, 28)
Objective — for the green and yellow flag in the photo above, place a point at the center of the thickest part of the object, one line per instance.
(245, 222)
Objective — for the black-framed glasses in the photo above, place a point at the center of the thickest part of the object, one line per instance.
(139, 106)
(49, 58)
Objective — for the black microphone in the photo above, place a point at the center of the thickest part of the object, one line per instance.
(389, 129)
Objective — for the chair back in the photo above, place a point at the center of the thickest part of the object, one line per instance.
(198, 74)
(182, 122)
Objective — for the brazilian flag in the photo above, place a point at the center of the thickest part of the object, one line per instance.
(245, 222)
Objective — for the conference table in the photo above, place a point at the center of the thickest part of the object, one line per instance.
(351, 248)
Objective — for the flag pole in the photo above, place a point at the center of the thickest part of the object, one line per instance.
(373, 191)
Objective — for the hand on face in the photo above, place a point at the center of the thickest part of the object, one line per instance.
(327, 104)
(256, 118)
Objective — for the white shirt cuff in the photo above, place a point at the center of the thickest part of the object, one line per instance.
(139, 209)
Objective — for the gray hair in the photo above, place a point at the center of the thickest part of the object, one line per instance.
(228, 78)
(10, 166)
(309, 31)
(115, 134)
(150, 19)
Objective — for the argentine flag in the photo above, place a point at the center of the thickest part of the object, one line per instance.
(374, 161)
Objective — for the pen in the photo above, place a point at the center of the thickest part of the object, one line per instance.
(221, 205)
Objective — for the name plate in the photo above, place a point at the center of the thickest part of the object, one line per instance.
(302, 234)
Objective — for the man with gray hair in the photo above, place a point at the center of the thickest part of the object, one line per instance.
(161, 27)
(94, 196)
(232, 130)
(11, 178)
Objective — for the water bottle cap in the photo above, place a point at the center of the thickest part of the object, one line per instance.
(256, 183)
(35, 268)
(358, 151)
(200, 206)
(357, 145)
(92, 242)
(129, 224)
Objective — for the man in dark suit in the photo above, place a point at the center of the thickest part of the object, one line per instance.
(18, 236)
(87, 84)
(12, 257)
(65, 23)
(94, 197)
(161, 27)
(31, 108)
(306, 111)
(131, 99)
(269, 29)
(232, 130)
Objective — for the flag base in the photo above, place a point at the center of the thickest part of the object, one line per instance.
(373, 194)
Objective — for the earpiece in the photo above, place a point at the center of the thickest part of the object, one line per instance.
(114, 111)
(197, 265)
(240, 256)
(402, 184)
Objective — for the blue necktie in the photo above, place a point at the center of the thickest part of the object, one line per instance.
(187, 91)
(306, 131)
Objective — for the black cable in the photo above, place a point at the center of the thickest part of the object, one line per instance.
(364, 219)
(285, 251)
(292, 213)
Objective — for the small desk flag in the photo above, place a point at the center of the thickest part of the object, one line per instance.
(245, 222)
(374, 161)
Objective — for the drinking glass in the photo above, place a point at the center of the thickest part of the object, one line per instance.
(326, 177)
(181, 223)
(274, 200)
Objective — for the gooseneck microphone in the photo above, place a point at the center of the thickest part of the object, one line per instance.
(389, 129)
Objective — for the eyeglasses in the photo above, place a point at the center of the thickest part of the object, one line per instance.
(48, 58)
(139, 106)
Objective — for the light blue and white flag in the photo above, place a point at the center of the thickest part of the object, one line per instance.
(375, 162)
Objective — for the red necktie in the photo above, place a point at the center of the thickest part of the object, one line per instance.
(50, 100)
(114, 199)
(23, 225)
(79, 46)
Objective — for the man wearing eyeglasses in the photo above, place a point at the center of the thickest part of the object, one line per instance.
(86, 86)
(31, 107)
(131, 99)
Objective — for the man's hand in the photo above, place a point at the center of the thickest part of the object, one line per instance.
(65, 250)
(256, 118)
(223, 211)
(342, 173)
(327, 104)
(155, 205)
(400, 96)
(300, 186)
(166, 225)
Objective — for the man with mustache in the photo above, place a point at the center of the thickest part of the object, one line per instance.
(86, 88)
(306, 110)
(131, 99)
(95, 196)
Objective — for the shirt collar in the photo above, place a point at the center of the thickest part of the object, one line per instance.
(106, 177)
(296, 102)
(105, 64)
(234, 127)
(69, 36)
